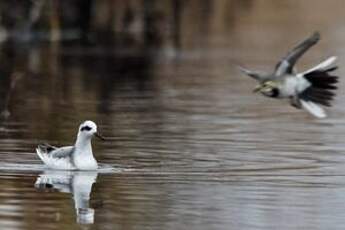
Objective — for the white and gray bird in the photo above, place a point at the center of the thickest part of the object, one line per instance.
(76, 157)
(308, 89)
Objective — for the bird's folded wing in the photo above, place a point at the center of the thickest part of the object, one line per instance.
(62, 152)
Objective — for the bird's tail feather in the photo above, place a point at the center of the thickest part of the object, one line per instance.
(40, 152)
(323, 83)
(43, 149)
(313, 108)
(322, 66)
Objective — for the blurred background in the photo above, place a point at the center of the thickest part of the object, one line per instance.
(54, 52)
(159, 77)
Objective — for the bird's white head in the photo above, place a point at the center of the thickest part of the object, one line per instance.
(88, 129)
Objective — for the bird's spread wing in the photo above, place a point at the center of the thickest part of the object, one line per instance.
(286, 65)
(257, 75)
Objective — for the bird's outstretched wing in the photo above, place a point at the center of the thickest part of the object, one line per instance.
(286, 65)
(257, 75)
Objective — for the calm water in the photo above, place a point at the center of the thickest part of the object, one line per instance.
(193, 148)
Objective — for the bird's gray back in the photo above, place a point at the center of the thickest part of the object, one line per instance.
(62, 152)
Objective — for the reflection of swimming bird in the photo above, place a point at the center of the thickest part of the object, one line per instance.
(78, 183)
(78, 157)
(308, 89)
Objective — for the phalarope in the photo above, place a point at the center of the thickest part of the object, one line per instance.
(77, 157)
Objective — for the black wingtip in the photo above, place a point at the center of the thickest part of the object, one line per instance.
(46, 147)
(316, 36)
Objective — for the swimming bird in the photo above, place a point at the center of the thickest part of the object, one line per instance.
(308, 89)
(76, 157)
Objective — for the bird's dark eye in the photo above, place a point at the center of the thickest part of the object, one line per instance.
(87, 128)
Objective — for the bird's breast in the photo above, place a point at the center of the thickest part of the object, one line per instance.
(288, 87)
(84, 161)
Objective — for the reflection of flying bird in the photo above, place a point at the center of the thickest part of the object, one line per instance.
(75, 182)
(308, 89)
(79, 156)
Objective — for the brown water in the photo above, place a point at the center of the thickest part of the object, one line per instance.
(194, 148)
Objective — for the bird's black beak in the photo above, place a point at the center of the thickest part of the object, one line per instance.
(100, 136)
(257, 88)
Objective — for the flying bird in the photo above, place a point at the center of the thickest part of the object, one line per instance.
(309, 90)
